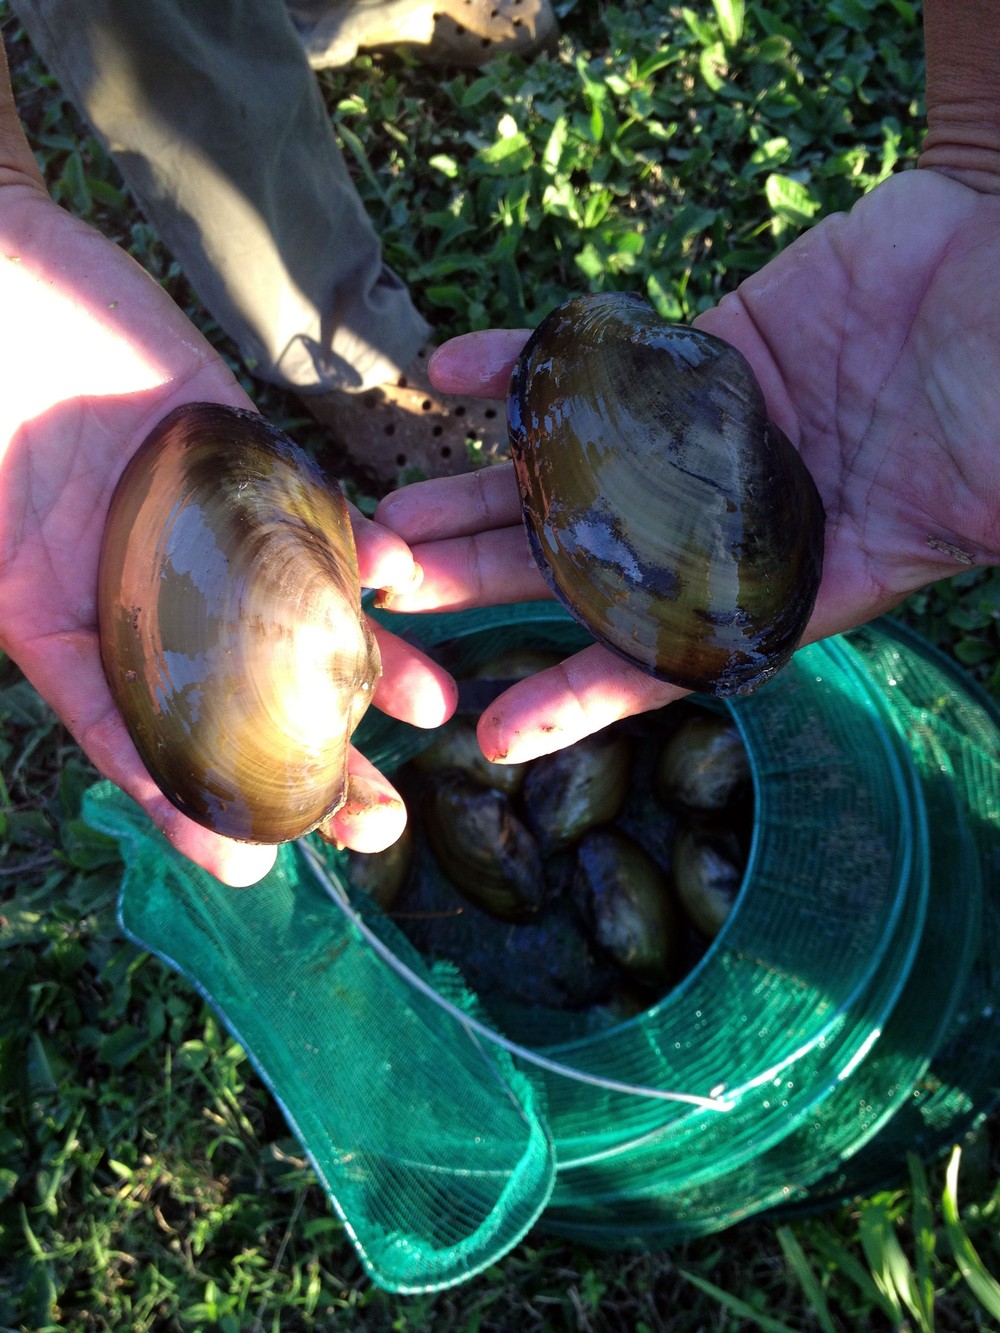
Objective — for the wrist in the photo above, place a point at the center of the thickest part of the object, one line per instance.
(963, 92)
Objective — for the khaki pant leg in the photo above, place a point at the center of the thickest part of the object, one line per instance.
(218, 126)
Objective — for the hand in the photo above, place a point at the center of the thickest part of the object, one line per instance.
(876, 339)
(94, 354)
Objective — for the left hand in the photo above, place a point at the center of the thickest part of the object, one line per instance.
(94, 354)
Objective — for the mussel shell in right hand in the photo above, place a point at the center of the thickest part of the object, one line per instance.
(663, 507)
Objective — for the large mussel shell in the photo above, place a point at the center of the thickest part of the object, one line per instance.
(664, 508)
(230, 623)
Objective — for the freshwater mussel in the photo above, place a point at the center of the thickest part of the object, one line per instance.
(708, 874)
(626, 898)
(704, 765)
(484, 847)
(230, 623)
(662, 505)
(577, 788)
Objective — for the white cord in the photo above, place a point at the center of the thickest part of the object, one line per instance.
(315, 863)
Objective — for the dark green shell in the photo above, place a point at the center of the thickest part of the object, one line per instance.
(663, 507)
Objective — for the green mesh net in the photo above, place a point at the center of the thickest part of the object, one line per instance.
(846, 1015)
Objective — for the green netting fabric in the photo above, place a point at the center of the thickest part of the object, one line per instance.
(849, 1012)
(432, 1150)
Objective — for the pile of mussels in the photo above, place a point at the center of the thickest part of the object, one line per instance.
(594, 876)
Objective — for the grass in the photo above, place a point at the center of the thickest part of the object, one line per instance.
(147, 1179)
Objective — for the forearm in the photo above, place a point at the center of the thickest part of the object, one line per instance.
(82, 322)
(963, 91)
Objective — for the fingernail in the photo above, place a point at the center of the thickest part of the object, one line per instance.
(384, 597)
(372, 816)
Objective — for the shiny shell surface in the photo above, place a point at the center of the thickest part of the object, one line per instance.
(663, 507)
(230, 623)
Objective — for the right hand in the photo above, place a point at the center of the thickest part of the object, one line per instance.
(876, 339)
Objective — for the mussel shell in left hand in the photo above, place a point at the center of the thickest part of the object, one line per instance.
(663, 507)
(230, 623)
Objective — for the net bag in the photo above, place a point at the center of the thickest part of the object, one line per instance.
(845, 1015)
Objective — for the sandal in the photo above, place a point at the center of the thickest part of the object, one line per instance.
(407, 425)
(464, 33)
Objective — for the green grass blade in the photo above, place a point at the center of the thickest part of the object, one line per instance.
(876, 1243)
(924, 1238)
(981, 1282)
(891, 1269)
(796, 1260)
(736, 1306)
(854, 1271)
(731, 15)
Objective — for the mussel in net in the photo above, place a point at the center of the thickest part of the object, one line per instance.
(383, 874)
(230, 623)
(704, 765)
(628, 901)
(708, 868)
(484, 848)
(663, 507)
(576, 788)
(456, 746)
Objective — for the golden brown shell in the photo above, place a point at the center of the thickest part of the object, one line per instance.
(230, 623)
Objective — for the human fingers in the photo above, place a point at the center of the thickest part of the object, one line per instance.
(477, 364)
(412, 687)
(559, 706)
(384, 558)
(238, 865)
(373, 815)
(371, 818)
(452, 506)
(487, 569)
